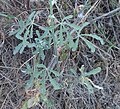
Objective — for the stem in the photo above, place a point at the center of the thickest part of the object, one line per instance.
(52, 25)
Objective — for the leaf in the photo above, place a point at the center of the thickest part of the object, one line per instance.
(44, 98)
(83, 26)
(95, 37)
(31, 102)
(96, 86)
(18, 36)
(22, 48)
(49, 104)
(39, 73)
(28, 70)
(17, 48)
(21, 24)
(32, 15)
(73, 71)
(54, 2)
(40, 27)
(31, 32)
(42, 54)
(55, 72)
(74, 48)
(44, 34)
(84, 81)
(13, 32)
(30, 45)
(26, 34)
(82, 68)
(93, 72)
(61, 35)
(29, 83)
(43, 87)
(21, 30)
(89, 44)
(41, 66)
(3, 15)
(70, 40)
(7, 16)
(24, 105)
(67, 17)
(30, 19)
(38, 33)
(76, 27)
(89, 86)
(54, 83)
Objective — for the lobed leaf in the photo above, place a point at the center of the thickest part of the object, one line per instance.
(67, 17)
(74, 48)
(17, 48)
(95, 37)
(89, 44)
(54, 83)
(93, 72)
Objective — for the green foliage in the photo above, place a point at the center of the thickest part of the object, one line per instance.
(55, 34)
(7, 16)
(84, 80)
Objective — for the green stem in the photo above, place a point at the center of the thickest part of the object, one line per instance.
(52, 25)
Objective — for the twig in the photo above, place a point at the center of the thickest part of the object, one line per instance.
(6, 67)
(7, 79)
(106, 14)
(3, 38)
(52, 63)
(88, 12)
(7, 97)
(26, 62)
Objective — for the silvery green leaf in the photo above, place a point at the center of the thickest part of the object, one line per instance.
(29, 83)
(22, 48)
(54, 2)
(61, 35)
(89, 86)
(83, 25)
(24, 106)
(31, 102)
(93, 72)
(72, 25)
(43, 86)
(18, 36)
(45, 34)
(74, 48)
(26, 34)
(95, 37)
(73, 71)
(55, 84)
(70, 40)
(55, 72)
(13, 32)
(89, 44)
(67, 17)
(82, 68)
(31, 32)
(3, 15)
(42, 54)
(21, 23)
(30, 19)
(17, 48)
(30, 45)
(41, 66)
(40, 27)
